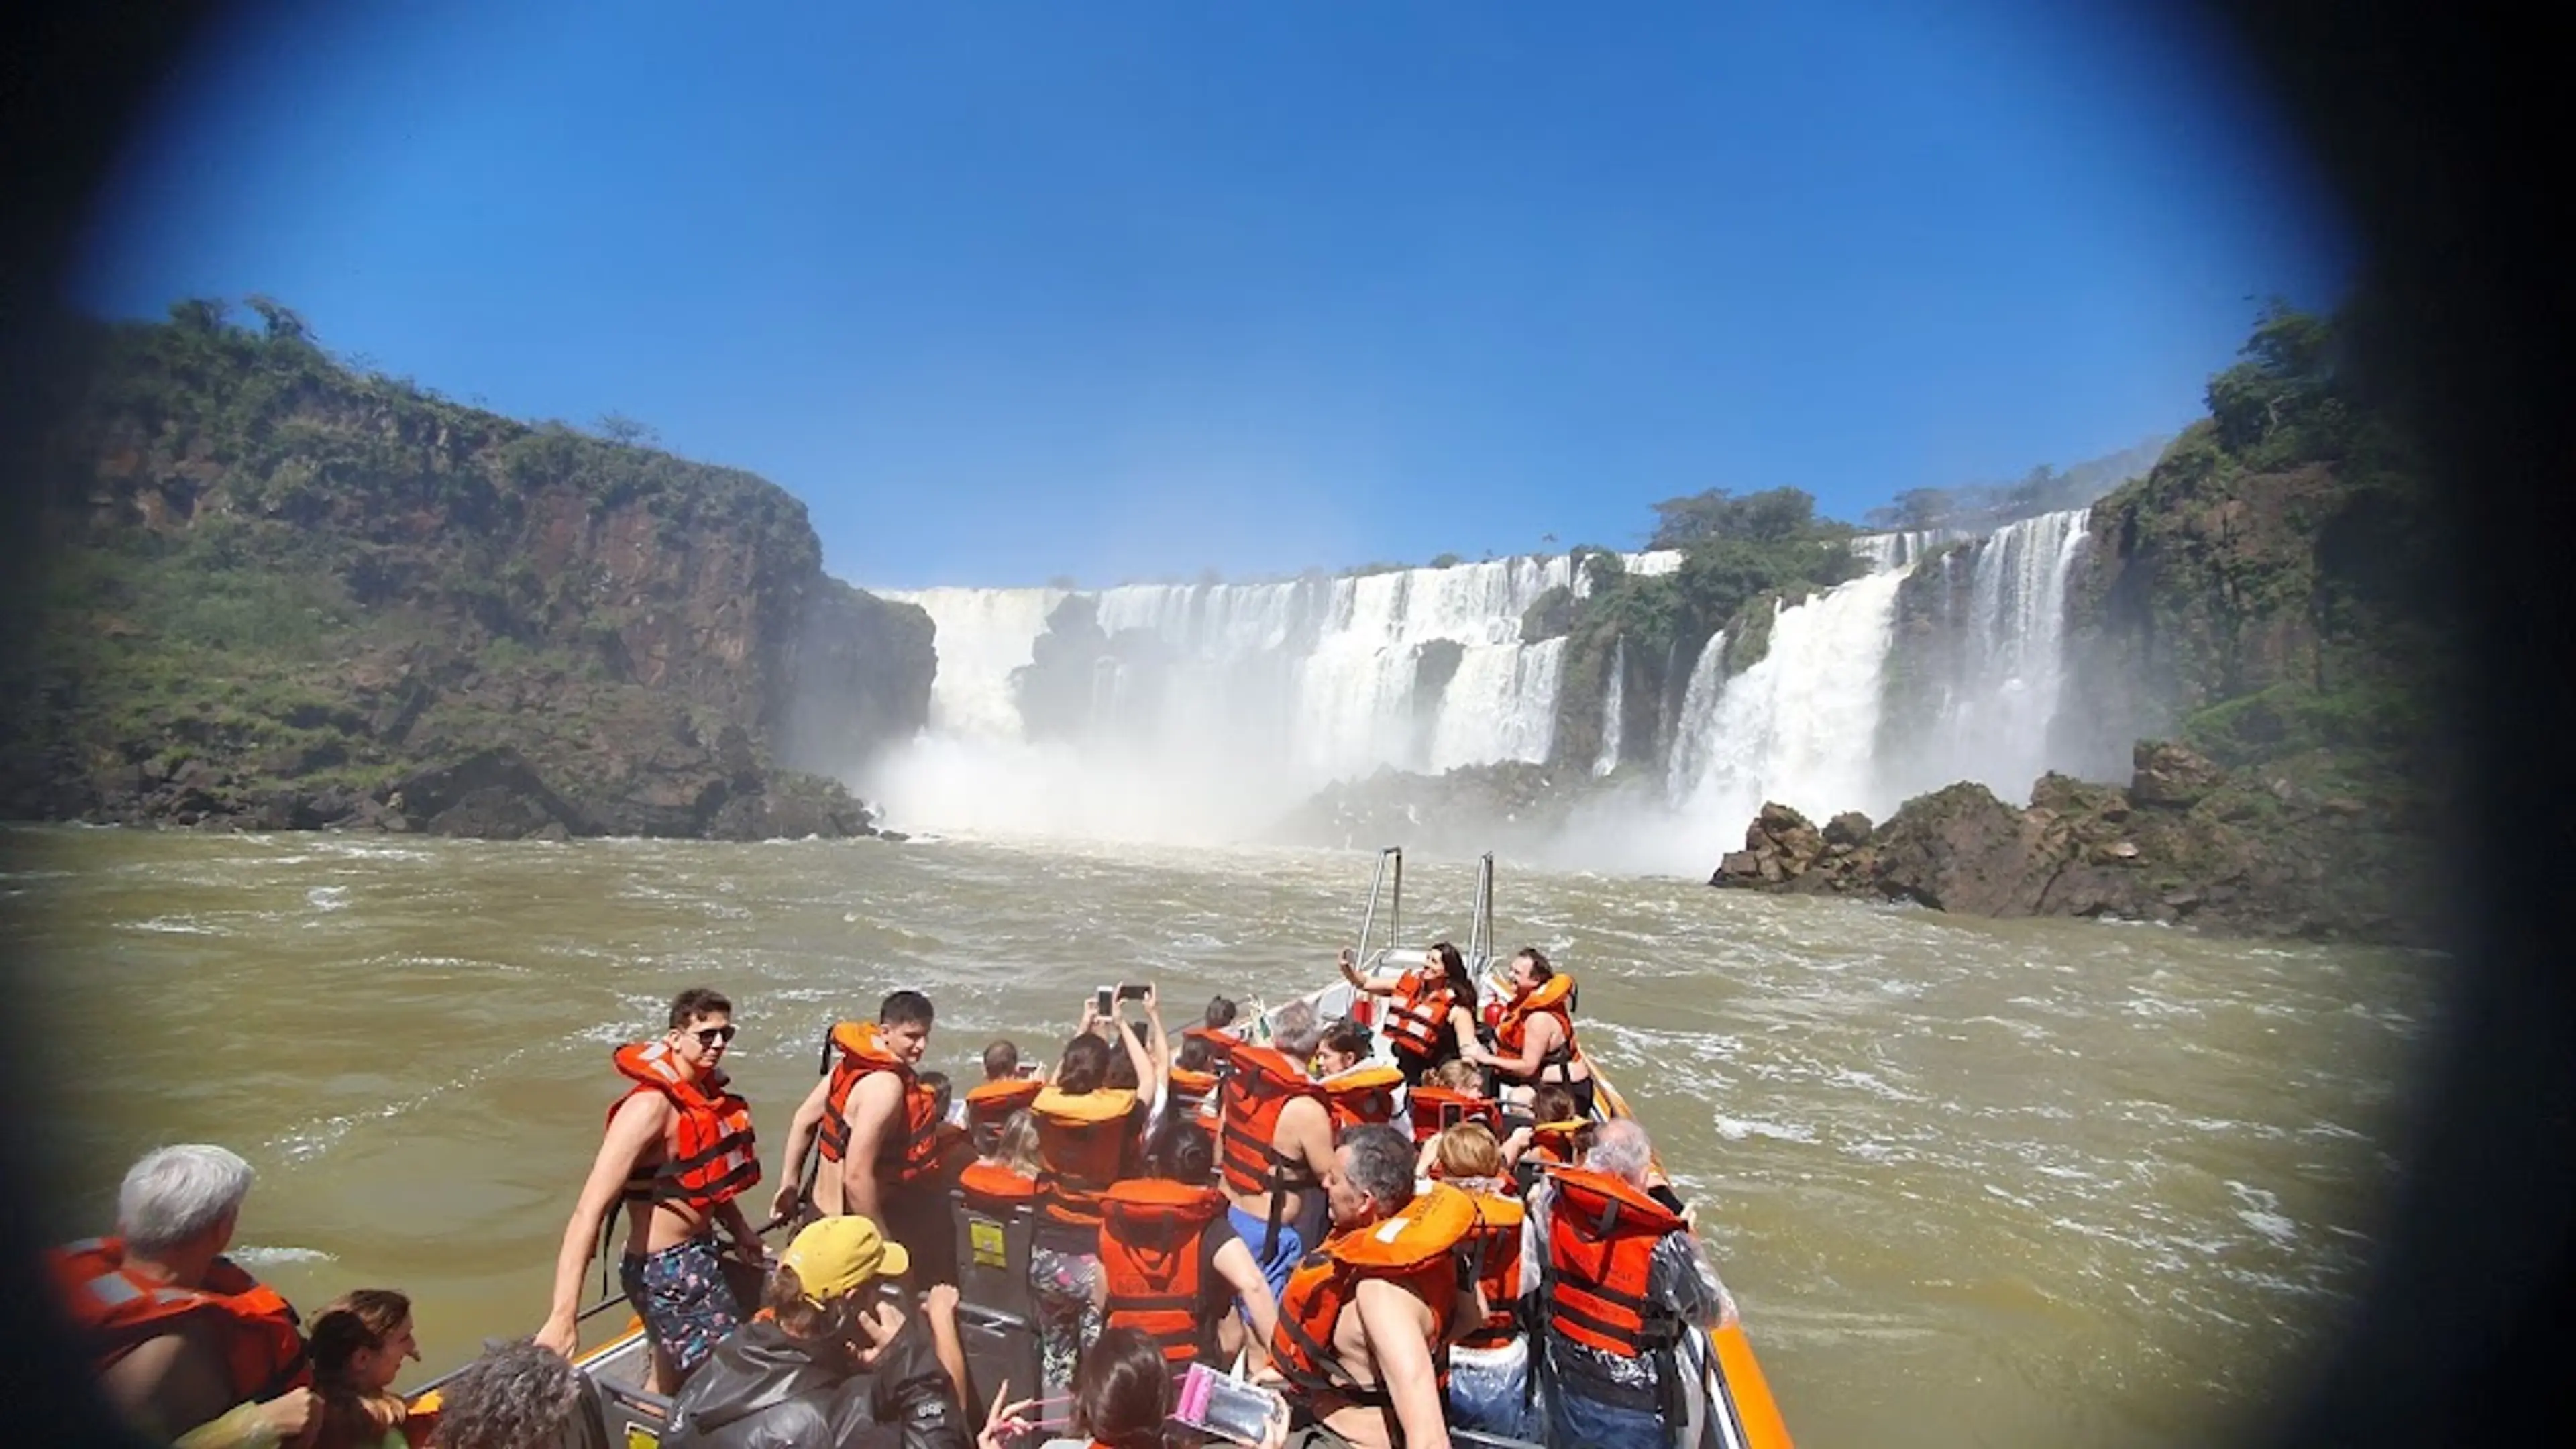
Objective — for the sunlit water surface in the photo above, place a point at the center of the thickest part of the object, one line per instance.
(1972, 1182)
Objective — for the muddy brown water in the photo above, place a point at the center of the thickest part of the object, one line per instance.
(1972, 1182)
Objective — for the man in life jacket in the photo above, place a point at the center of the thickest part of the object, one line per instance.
(1453, 1093)
(1358, 1092)
(679, 1152)
(1424, 1007)
(1620, 1285)
(1366, 1318)
(1172, 1266)
(1534, 1038)
(874, 1125)
(1277, 1143)
(1006, 1089)
(181, 1337)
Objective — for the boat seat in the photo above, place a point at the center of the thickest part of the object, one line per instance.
(993, 1259)
(625, 1415)
(1001, 1349)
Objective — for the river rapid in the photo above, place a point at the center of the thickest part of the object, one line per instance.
(1972, 1183)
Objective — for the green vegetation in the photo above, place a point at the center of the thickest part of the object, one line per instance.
(1739, 556)
(2273, 581)
(278, 568)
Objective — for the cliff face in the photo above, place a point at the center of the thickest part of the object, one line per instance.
(279, 589)
(2263, 617)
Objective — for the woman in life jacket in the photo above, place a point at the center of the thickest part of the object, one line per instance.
(1553, 1137)
(1488, 1385)
(1172, 1265)
(1424, 1007)
(1453, 1093)
(1276, 1142)
(1006, 1177)
(1357, 1092)
(1366, 1318)
(359, 1344)
(1083, 1126)
(1122, 1392)
(1534, 1037)
(1194, 1078)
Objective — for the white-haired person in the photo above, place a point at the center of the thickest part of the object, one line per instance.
(1619, 1285)
(186, 1345)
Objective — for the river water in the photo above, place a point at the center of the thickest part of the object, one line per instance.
(1973, 1183)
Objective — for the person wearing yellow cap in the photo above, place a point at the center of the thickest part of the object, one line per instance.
(835, 1357)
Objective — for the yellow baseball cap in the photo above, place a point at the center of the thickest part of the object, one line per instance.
(838, 1254)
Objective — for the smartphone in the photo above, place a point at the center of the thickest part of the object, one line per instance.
(1132, 993)
(1101, 1002)
(1244, 1413)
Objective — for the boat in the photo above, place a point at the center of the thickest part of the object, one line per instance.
(1733, 1409)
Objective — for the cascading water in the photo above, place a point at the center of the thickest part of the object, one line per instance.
(1973, 694)
(1800, 725)
(1204, 711)
(1613, 702)
(1258, 692)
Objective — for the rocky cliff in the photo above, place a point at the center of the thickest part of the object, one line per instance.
(282, 592)
(2270, 597)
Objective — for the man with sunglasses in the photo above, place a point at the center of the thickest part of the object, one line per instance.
(679, 1153)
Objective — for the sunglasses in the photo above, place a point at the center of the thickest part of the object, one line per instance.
(714, 1036)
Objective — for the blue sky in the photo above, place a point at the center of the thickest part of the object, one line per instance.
(1010, 291)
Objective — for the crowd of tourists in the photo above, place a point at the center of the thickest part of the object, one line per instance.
(1444, 1238)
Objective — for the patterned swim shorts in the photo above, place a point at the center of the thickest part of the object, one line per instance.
(681, 1294)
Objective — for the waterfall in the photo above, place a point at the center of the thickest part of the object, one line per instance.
(1265, 690)
(1800, 725)
(1887, 552)
(1699, 710)
(1613, 698)
(1206, 710)
(1976, 691)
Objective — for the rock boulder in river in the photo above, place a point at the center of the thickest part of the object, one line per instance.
(2185, 842)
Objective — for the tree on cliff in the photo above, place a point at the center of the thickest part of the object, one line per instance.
(1766, 517)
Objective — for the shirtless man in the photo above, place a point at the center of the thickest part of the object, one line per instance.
(678, 1152)
(1362, 1323)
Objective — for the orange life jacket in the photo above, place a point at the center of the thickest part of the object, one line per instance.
(1495, 1253)
(990, 1105)
(1361, 1096)
(1191, 1092)
(1435, 1110)
(863, 1053)
(1415, 1249)
(1417, 1015)
(1548, 998)
(993, 1188)
(708, 1153)
(119, 1310)
(1083, 1140)
(1149, 1261)
(1555, 1140)
(1601, 1237)
(1261, 1083)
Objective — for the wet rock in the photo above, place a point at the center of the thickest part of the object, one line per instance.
(2170, 776)
(1847, 829)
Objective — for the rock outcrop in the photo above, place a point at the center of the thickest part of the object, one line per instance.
(2186, 842)
(280, 593)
